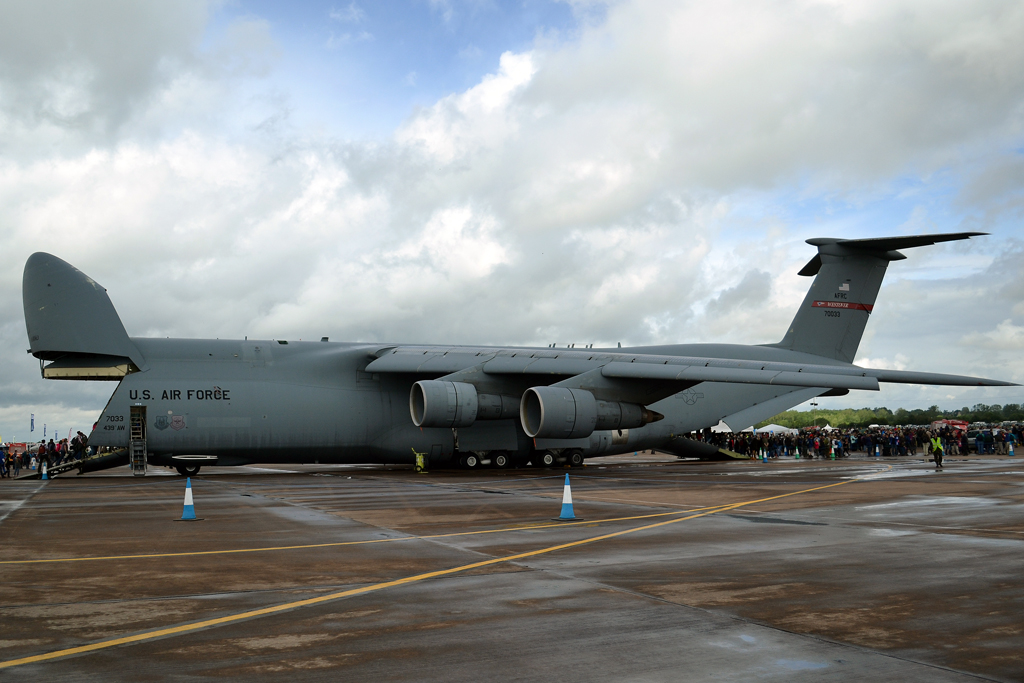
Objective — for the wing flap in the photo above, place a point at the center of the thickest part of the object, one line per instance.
(432, 361)
(528, 365)
(738, 375)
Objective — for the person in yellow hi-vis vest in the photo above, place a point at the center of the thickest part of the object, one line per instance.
(937, 451)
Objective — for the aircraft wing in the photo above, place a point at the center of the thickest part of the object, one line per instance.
(612, 365)
(570, 393)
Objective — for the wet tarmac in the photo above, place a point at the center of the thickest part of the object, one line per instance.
(860, 569)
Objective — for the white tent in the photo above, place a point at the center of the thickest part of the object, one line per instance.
(721, 427)
(776, 429)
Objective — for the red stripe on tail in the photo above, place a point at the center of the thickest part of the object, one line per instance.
(842, 305)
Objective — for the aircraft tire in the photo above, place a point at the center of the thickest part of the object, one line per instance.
(544, 459)
(188, 470)
(471, 461)
(575, 458)
(501, 459)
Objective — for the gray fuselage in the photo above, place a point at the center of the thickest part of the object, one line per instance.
(304, 402)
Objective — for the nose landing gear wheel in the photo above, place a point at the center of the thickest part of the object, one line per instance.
(188, 470)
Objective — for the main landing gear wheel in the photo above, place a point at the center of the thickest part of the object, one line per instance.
(188, 470)
(544, 459)
(575, 458)
(501, 460)
(470, 462)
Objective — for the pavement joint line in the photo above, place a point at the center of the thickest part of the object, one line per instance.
(16, 505)
(363, 542)
(184, 596)
(252, 614)
(918, 525)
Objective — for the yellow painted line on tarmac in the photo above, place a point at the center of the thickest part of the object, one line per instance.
(364, 542)
(251, 614)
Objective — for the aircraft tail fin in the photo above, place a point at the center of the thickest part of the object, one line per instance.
(70, 320)
(832, 317)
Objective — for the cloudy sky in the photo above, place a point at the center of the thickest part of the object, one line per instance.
(513, 172)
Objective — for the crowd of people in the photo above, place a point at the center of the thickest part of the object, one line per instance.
(886, 441)
(809, 442)
(51, 453)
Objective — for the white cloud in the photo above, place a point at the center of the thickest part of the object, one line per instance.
(1005, 337)
(457, 244)
(59, 421)
(480, 117)
(651, 180)
(339, 40)
(352, 14)
(897, 363)
(74, 76)
(444, 7)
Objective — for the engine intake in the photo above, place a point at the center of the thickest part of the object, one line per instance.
(559, 413)
(438, 403)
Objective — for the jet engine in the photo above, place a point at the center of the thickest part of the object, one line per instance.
(559, 413)
(440, 403)
(437, 403)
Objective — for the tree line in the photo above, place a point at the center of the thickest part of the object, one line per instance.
(862, 417)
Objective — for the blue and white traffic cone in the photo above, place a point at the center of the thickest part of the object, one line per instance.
(567, 513)
(43, 475)
(188, 514)
(1009, 452)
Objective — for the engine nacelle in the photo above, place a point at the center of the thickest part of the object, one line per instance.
(437, 403)
(559, 413)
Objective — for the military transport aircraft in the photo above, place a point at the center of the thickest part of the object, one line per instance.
(185, 403)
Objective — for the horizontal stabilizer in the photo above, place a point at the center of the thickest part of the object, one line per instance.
(884, 247)
(894, 243)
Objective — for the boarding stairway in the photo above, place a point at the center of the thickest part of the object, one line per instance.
(136, 455)
(90, 463)
(684, 447)
(137, 447)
